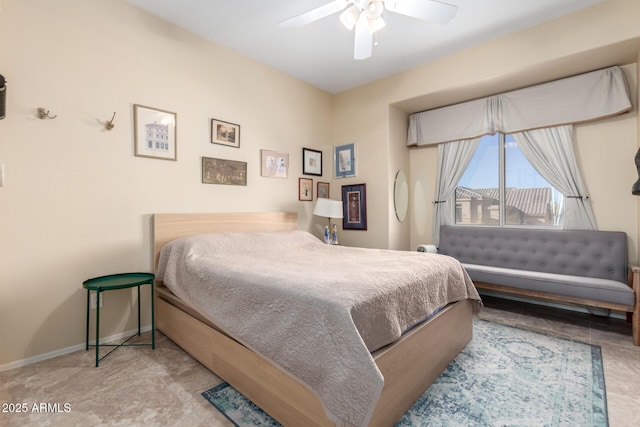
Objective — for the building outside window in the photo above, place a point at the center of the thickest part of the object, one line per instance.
(501, 188)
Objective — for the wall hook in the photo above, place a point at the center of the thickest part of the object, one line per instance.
(109, 124)
(44, 114)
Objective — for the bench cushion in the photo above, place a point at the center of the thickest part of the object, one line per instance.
(598, 254)
(576, 286)
(580, 263)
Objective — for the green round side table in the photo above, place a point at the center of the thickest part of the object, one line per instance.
(109, 283)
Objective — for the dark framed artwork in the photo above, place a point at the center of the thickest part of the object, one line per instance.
(305, 189)
(225, 133)
(354, 207)
(155, 133)
(323, 190)
(344, 160)
(311, 162)
(222, 171)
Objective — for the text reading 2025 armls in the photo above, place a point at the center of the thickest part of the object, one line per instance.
(36, 407)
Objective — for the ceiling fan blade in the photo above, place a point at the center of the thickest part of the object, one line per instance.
(314, 14)
(363, 43)
(427, 10)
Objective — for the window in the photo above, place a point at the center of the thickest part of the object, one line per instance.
(500, 187)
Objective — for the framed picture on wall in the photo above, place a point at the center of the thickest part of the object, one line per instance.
(222, 171)
(274, 164)
(354, 207)
(344, 160)
(323, 190)
(155, 133)
(311, 162)
(305, 189)
(225, 133)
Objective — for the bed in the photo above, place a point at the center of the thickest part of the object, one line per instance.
(408, 365)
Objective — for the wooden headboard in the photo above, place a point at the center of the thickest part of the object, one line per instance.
(168, 227)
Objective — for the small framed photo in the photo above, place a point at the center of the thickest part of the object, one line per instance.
(305, 189)
(225, 133)
(344, 159)
(155, 133)
(354, 207)
(274, 164)
(323, 190)
(311, 162)
(222, 171)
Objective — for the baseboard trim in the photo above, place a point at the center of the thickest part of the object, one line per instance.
(67, 350)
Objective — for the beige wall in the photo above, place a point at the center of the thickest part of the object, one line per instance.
(399, 236)
(76, 202)
(599, 36)
(364, 118)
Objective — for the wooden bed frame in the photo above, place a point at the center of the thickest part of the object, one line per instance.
(409, 365)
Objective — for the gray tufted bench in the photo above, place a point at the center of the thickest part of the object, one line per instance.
(580, 267)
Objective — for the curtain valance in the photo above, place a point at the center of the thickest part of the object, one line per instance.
(576, 99)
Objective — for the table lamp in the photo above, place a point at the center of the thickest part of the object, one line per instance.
(329, 209)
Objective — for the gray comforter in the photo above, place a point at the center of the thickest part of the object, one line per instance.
(317, 311)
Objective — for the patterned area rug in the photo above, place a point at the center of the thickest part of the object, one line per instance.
(504, 377)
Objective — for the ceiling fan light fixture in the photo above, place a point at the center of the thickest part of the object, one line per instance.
(374, 9)
(376, 24)
(365, 17)
(390, 5)
(350, 16)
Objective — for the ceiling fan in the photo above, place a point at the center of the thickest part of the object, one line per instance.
(366, 17)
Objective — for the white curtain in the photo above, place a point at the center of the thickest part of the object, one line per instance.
(550, 151)
(453, 159)
(576, 99)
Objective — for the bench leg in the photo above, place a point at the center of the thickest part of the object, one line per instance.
(635, 318)
(635, 325)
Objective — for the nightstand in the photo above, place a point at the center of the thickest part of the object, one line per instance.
(109, 283)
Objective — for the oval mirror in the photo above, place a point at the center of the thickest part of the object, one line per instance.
(401, 196)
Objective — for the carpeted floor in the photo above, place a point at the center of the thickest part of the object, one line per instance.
(505, 376)
(162, 387)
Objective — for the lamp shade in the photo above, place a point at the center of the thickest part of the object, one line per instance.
(328, 208)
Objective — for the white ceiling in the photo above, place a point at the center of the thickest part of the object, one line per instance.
(321, 53)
